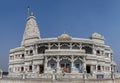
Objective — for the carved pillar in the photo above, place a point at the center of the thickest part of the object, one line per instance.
(33, 68)
(84, 64)
(72, 64)
(58, 45)
(70, 45)
(58, 64)
(49, 46)
(80, 46)
(38, 68)
(94, 51)
(36, 49)
(97, 67)
(84, 68)
(91, 67)
(26, 69)
(45, 67)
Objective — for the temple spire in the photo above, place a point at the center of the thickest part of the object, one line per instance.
(31, 33)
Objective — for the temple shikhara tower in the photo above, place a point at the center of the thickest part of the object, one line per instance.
(64, 55)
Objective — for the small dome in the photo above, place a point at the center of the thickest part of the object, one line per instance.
(64, 37)
(97, 36)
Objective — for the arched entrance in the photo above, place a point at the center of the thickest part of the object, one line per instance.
(78, 65)
(65, 65)
(41, 50)
(41, 68)
(52, 65)
(88, 49)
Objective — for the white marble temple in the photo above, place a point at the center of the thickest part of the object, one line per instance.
(61, 55)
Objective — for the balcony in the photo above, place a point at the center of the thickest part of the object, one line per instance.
(16, 61)
(64, 52)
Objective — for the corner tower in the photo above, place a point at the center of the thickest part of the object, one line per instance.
(31, 33)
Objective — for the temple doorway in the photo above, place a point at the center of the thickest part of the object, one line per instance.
(41, 68)
(65, 66)
(88, 68)
(77, 65)
(52, 65)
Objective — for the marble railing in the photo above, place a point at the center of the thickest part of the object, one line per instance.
(64, 52)
(16, 61)
(60, 76)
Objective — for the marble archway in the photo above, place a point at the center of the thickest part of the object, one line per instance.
(52, 65)
(78, 65)
(65, 65)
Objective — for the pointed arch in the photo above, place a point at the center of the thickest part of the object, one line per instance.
(88, 49)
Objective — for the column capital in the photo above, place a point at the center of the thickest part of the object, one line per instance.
(58, 45)
(80, 45)
(46, 60)
(58, 64)
(72, 58)
(70, 45)
(49, 45)
(58, 59)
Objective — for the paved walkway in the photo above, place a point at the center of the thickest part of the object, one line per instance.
(15, 80)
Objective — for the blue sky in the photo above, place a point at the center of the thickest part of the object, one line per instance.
(78, 18)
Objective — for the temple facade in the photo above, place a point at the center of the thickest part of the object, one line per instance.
(61, 55)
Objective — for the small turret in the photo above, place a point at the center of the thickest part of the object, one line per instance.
(97, 37)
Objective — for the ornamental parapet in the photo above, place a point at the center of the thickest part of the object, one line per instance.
(77, 40)
(20, 61)
(98, 58)
(64, 52)
(28, 58)
(17, 49)
(91, 56)
(39, 56)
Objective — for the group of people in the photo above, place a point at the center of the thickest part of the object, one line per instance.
(65, 70)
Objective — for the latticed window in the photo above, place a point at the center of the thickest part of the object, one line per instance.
(75, 46)
(65, 46)
(54, 46)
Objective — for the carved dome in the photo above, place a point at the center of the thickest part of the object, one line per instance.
(97, 36)
(64, 37)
